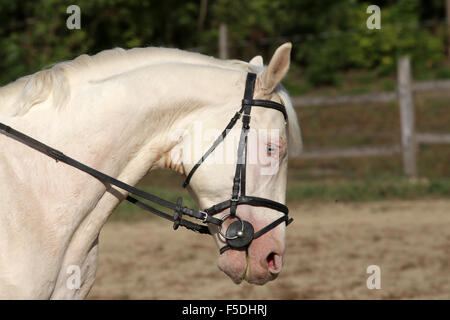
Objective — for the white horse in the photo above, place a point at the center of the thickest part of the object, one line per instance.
(117, 112)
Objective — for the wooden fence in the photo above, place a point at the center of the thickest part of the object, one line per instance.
(409, 137)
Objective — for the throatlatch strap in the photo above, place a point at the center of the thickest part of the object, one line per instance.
(215, 144)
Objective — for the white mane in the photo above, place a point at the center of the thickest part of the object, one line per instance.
(36, 88)
(20, 96)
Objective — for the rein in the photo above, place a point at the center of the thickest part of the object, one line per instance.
(177, 207)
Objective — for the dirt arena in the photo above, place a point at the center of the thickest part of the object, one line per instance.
(329, 247)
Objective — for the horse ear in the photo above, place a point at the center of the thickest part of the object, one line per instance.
(257, 61)
(278, 67)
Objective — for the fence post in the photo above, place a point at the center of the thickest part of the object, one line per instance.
(223, 41)
(407, 117)
(447, 7)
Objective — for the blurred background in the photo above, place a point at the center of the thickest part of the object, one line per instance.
(361, 184)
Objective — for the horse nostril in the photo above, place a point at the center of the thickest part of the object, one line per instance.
(273, 263)
(271, 259)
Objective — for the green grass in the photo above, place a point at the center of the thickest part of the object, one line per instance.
(370, 190)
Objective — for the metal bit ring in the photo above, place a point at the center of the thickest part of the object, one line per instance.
(225, 217)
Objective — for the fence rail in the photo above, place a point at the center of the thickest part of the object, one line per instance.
(375, 97)
(378, 97)
(351, 152)
(404, 96)
(431, 138)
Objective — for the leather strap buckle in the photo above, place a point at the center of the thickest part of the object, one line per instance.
(177, 214)
(205, 218)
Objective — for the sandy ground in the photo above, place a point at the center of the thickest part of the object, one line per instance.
(329, 247)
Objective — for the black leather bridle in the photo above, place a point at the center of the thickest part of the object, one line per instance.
(240, 233)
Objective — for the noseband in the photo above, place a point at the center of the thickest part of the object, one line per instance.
(240, 233)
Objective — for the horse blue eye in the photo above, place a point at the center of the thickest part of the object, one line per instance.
(271, 149)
